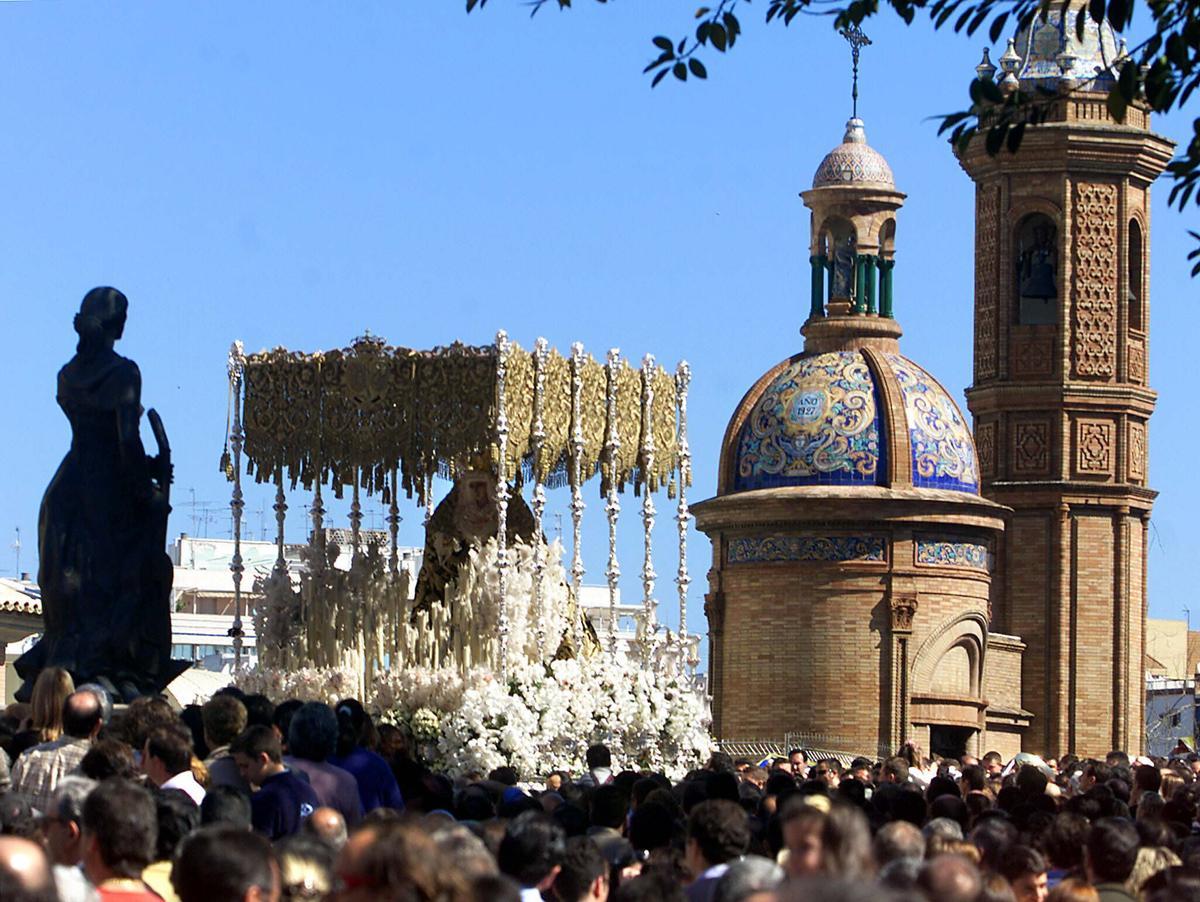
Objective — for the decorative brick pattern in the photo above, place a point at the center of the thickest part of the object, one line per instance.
(987, 216)
(1137, 452)
(1031, 448)
(985, 447)
(1095, 280)
(935, 553)
(766, 549)
(1032, 355)
(1137, 360)
(1094, 451)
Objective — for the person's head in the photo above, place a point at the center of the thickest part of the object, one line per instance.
(81, 715)
(898, 839)
(1073, 889)
(106, 705)
(532, 849)
(313, 732)
(992, 836)
(584, 873)
(228, 864)
(949, 878)
(50, 692)
(1146, 778)
(828, 770)
(717, 832)
(993, 763)
(108, 758)
(1025, 870)
(281, 720)
(62, 822)
(17, 816)
(798, 761)
(1064, 840)
(226, 806)
(652, 826)
(167, 753)
(1111, 850)
(259, 709)
(327, 825)
(470, 856)
(972, 779)
(609, 807)
(1031, 781)
(177, 816)
(835, 842)
(257, 754)
(120, 830)
(1150, 861)
(398, 859)
(305, 868)
(101, 319)
(747, 876)
(598, 756)
(354, 726)
(895, 770)
(1117, 758)
(25, 874)
(224, 718)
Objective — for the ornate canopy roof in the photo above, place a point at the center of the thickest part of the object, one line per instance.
(372, 410)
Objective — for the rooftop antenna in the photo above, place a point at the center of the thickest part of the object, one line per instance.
(857, 40)
(16, 546)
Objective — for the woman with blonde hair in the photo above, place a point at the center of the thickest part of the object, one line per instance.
(50, 693)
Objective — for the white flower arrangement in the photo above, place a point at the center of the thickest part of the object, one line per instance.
(542, 719)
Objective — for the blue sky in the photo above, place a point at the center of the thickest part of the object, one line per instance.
(296, 173)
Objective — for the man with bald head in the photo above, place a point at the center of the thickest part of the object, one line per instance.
(38, 770)
(327, 825)
(25, 874)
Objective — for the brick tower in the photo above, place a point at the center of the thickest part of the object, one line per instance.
(1061, 398)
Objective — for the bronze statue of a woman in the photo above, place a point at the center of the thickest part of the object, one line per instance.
(103, 569)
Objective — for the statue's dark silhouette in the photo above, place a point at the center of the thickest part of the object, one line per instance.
(103, 570)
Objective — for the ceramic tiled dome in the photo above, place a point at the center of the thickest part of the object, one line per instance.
(854, 162)
(821, 419)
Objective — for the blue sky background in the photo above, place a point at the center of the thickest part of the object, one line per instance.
(294, 173)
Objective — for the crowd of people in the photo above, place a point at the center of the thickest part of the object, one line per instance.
(240, 799)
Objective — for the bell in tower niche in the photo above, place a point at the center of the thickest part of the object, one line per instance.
(1037, 271)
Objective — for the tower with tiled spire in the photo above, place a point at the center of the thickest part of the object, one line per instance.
(1061, 396)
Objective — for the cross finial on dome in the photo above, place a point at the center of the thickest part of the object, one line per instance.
(858, 41)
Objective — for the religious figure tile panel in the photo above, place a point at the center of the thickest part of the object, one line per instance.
(817, 423)
(767, 549)
(943, 454)
(937, 553)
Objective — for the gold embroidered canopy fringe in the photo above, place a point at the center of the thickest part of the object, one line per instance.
(372, 408)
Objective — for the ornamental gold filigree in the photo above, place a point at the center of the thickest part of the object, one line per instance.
(358, 414)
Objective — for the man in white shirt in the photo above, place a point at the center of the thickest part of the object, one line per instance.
(167, 761)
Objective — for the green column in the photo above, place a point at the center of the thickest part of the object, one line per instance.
(871, 283)
(818, 262)
(885, 287)
(860, 283)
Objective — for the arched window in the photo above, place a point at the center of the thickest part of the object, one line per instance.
(1136, 276)
(1036, 270)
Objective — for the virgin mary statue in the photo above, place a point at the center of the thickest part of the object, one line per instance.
(103, 570)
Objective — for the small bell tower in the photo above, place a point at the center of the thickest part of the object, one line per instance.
(1061, 396)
